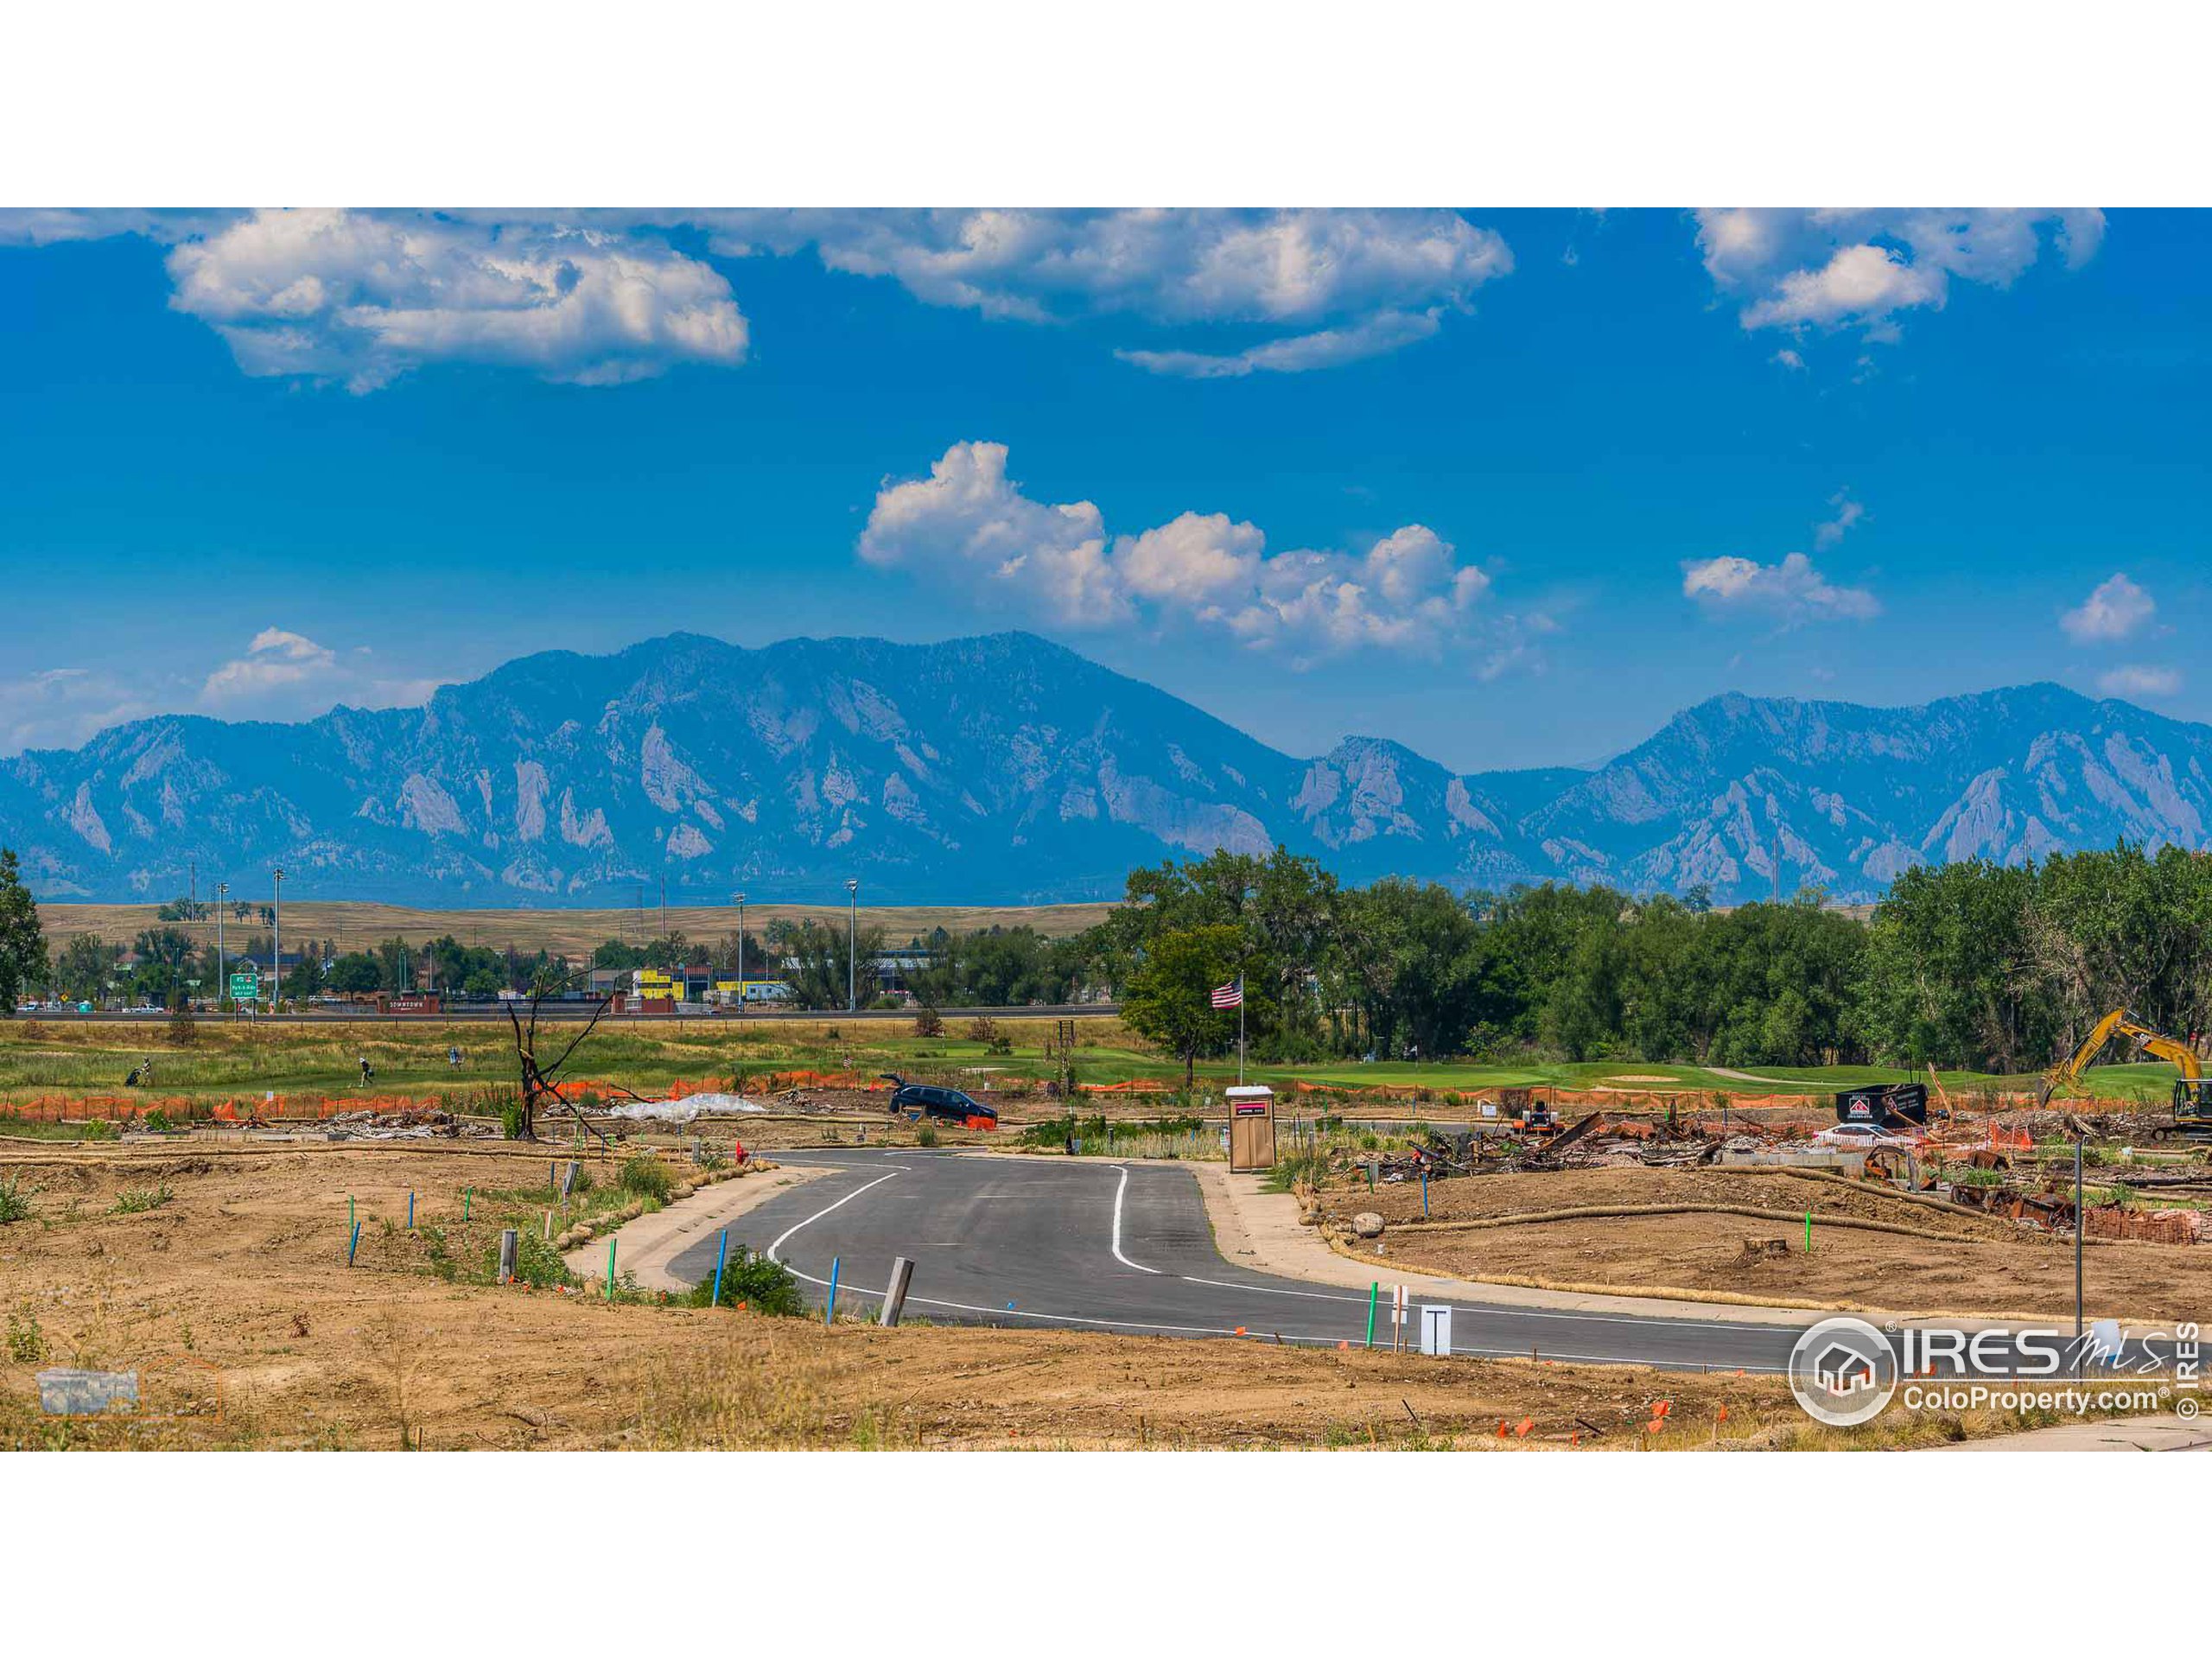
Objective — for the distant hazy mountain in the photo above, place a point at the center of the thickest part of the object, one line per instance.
(1006, 769)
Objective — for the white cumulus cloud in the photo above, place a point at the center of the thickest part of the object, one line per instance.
(1831, 268)
(2138, 680)
(358, 298)
(2115, 608)
(967, 522)
(1337, 284)
(361, 298)
(1793, 592)
(287, 676)
(60, 708)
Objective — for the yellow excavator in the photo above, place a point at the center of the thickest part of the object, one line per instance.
(2192, 1095)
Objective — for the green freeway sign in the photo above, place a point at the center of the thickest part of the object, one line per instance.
(245, 987)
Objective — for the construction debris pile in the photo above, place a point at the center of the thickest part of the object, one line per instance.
(427, 1125)
(2050, 1208)
(1591, 1142)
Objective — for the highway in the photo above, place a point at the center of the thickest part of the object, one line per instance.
(1088, 1244)
(576, 1009)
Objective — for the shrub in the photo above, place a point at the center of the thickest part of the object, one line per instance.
(158, 1121)
(26, 1341)
(139, 1201)
(754, 1280)
(646, 1176)
(183, 1031)
(928, 1022)
(983, 1029)
(926, 1136)
(15, 1203)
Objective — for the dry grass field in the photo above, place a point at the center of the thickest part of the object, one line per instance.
(570, 933)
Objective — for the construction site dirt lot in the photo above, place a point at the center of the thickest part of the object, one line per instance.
(228, 1290)
(1971, 1264)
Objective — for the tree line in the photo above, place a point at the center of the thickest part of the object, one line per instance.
(1969, 965)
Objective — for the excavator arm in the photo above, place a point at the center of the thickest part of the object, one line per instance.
(2119, 1022)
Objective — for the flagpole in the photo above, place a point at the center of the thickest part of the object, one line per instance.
(1240, 1031)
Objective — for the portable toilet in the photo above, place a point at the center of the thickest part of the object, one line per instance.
(1251, 1127)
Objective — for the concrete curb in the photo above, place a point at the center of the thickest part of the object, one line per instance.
(644, 1248)
(1260, 1230)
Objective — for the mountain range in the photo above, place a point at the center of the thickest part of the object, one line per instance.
(1006, 769)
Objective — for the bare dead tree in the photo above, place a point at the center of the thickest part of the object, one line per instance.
(539, 1090)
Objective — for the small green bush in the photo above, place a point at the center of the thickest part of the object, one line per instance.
(158, 1121)
(646, 1176)
(764, 1285)
(26, 1341)
(137, 1202)
(925, 1136)
(15, 1203)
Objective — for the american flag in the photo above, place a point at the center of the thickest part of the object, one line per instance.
(1230, 995)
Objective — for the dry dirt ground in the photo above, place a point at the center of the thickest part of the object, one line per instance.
(232, 1298)
(1979, 1265)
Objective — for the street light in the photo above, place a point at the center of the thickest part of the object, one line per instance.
(853, 950)
(277, 939)
(222, 985)
(741, 951)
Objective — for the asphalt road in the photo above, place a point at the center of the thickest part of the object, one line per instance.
(1088, 1244)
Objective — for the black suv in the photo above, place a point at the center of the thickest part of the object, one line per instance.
(921, 1100)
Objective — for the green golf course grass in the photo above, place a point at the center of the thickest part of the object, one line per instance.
(238, 1060)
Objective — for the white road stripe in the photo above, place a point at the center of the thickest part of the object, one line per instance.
(818, 1214)
(1118, 1256)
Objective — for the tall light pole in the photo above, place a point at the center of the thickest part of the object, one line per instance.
(852, 951)
(741, 951)
(2081, 1132)
(276, 938)
(222, 985)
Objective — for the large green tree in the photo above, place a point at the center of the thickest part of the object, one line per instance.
(1169, 1001)
(23, 945)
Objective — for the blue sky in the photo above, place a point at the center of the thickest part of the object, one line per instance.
(1509, 488)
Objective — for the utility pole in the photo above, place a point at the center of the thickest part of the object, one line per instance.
(741, 951)
(664, 904)
(276, 937)
(853, 950)
(222, 984)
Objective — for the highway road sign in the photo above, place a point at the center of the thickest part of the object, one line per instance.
(244, 986)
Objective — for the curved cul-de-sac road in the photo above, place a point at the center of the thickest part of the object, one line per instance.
(1089, 1245)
